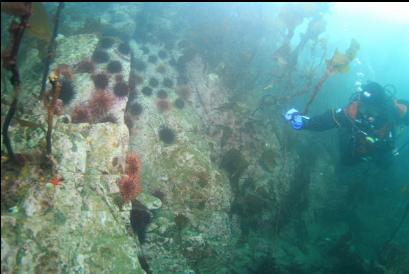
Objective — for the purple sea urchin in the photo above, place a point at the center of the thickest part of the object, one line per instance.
(100, 56)
(124, 48)
(101, 80)
(179, 103)
(162, 94)
(121, 89)
(106, 42)
(114, 67)
(153, 82)
(168, 83)
(136, 108)
(167, 135)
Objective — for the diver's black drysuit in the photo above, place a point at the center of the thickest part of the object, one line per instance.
(360, 139)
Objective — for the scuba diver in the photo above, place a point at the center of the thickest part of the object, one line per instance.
(368, 124)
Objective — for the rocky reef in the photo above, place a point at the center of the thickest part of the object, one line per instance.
(169, 153)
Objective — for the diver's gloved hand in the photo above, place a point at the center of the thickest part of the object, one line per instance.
(294, 117)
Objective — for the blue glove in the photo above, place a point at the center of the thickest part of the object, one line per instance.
(295, 118)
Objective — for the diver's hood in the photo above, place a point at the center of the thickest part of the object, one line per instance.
(373, 95)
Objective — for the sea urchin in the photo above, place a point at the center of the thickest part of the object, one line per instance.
(114, 67)
(167, 135)
(121, 89)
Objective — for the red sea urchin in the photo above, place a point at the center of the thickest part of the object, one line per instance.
(129, 185)
(133, 165)
(81, 114)
(121, 89)
(85, 66)
(163, 105)
(128, 188)
(100, 104)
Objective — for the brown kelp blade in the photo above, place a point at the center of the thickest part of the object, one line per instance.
(39, 24)
(15, 8)
(339, 63)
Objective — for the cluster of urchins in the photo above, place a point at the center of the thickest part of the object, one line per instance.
(97, 108)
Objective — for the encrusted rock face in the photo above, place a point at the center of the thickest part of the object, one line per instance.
(74, 226)
(68, 220)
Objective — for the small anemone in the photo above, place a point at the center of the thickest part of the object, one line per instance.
(179, 103)
(162, 94)
(114, 67)
(162, 54)
(121, 89)
(100, 56)
(167, 135)
(124, 48)
(106, 42)
(147, 91)
(101, 80)
(168, 83)
(153, 82)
